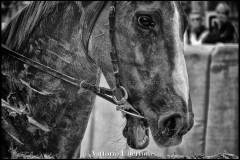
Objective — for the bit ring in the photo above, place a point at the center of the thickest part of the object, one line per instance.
(123, 99)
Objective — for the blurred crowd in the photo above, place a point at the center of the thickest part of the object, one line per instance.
(220, 29)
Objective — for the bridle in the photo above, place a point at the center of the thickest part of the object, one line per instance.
(108, 94)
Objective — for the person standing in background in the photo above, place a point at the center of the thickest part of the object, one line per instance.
(196, 31)
(221, 30)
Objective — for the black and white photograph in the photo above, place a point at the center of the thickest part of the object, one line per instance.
(119, 80)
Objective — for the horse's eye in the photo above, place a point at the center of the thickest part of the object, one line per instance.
(145, 22)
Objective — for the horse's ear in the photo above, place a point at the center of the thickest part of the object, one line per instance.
(91, 11)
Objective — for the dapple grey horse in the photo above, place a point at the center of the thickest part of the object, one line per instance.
(73, 38)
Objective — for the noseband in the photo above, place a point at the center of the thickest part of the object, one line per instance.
(108, 94)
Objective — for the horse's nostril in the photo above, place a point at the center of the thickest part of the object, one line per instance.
(169, 124)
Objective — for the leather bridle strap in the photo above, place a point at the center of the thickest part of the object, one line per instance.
(115, 63)
(105, 93)
(113, 53)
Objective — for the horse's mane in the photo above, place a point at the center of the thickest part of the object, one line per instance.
(21, 26)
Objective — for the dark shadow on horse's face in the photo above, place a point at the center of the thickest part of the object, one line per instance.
(152, 66)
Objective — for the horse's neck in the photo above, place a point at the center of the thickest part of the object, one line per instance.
(55, 43)
(99, 45)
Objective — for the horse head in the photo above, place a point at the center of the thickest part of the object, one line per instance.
(149, 42)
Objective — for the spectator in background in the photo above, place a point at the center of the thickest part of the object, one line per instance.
(196, 30)
(222, 30)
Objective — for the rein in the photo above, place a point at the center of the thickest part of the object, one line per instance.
(108, 94)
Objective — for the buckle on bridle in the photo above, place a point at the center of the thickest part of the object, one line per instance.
(123, 99)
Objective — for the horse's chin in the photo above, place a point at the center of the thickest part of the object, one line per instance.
(137, 134)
